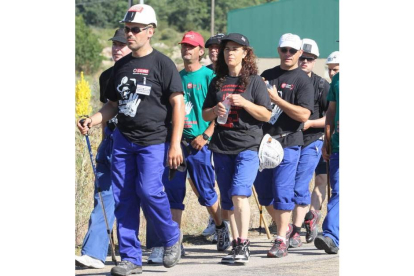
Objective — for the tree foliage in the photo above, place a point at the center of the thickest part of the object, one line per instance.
(104, 14)
(87, 49)
(181, 15)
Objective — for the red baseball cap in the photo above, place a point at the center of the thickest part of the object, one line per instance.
(193, 38)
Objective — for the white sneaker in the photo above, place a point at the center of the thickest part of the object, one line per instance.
(210, 229)
(156, 255)
(87, 261)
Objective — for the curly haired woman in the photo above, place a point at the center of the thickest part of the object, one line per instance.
(235, 143)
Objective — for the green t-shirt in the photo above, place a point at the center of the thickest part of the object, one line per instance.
(333, 96)
(195, 85)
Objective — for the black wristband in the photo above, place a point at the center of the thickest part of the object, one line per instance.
(205, 136)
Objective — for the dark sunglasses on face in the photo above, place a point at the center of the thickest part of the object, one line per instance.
(291, 50)
(135, 30)
(309, 59)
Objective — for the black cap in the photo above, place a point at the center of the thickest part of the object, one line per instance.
(238, 38)
(119, 36)
(214, 40)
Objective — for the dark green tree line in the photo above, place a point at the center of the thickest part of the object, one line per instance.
(181, 15)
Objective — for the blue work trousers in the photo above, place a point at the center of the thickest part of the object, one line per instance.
(201, 173)
(136, 182)
(277, 186)
(235, 175)
(96, 241)
(330, 225)
(308, 160)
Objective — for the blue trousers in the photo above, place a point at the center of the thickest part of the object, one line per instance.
(330, 225)
(277, 186)
(308, 160)
(136, 182)
(235, 175)
(202, 174)
(96, 241)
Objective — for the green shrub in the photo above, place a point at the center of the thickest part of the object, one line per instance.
(88, 49)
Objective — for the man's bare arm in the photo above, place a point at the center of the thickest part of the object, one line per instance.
(175, 156)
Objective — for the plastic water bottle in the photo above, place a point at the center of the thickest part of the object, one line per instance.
(223, 119)
(268, 85)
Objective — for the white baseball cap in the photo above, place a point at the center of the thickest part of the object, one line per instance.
(309, 46)
(140, 13)
(290, 40)
(270, 153)
(333, 58)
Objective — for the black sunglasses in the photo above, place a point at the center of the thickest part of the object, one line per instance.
(291, 50)
(135, 30)
(309, 59)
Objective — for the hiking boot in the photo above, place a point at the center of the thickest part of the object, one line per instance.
(88, 261)
(126, 268)
(156, 255)
(229, 259)
(327, 244)
(278, 250)
(172, 254)
(210, 229)
(311, 226)
(223, 238)
(242, 252)
(295, 241)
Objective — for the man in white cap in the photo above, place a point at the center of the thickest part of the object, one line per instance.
(293, 94)
(95, 243)
(333, 63)
(145, 91)
(311, 151)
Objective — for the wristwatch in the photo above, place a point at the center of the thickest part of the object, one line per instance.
(205, 136)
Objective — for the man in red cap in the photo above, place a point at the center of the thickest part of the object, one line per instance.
(196, 135)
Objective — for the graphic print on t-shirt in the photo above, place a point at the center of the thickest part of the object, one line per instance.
(130, 100)
(190, 101)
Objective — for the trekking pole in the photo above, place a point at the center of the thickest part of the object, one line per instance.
(100, 198)
(328, 150)
(261, 213)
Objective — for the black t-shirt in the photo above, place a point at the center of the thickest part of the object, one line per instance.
(210, 66)
(144, 119)
(321, 105)
(241, 131)
(296, 89)
(103, 82)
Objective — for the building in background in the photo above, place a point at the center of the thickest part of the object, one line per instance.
(264, 24)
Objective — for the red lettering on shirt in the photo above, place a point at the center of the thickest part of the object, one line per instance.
(140, 71)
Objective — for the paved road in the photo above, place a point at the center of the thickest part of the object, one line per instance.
(205, 260)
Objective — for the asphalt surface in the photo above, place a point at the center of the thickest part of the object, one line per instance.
(205, 260)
